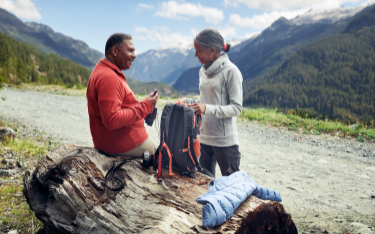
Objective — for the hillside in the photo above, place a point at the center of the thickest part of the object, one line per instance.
(284, 37)
(145, 88)
(265, 52)
(188, 82)
(164, 65)
(48, 41)
(20, 63)
(334, 76)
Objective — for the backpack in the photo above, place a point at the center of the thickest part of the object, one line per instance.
(179, 143)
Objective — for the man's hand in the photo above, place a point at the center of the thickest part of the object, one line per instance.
(199, 108)
(153, 99)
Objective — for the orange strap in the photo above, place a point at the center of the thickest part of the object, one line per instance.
(181, 103)
(164, 145)
(188, 150)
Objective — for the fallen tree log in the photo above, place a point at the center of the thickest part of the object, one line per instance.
(67, 193)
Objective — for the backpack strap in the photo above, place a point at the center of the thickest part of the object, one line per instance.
(189, 152)
(164, 145)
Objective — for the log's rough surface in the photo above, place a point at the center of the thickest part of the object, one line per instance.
(67, 193)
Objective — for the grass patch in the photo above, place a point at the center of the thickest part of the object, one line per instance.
(79, 91)
(305, 125)
(15, 213)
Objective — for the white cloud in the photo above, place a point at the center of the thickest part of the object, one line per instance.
(230, 3)
(162, 35)
(185, 10)
(21, 8)
(276, 5)
(227, 31)
(140, 29)
(146, 6)
(263, 20)
(194, 32)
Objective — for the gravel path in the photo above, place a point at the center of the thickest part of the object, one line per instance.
(326, 183)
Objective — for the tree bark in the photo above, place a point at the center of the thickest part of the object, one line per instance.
(67, 193)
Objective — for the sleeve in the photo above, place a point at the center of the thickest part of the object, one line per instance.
(110, 96)
(233, 84)
(189, 101)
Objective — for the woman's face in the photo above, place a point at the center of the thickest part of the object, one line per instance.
(204, 56)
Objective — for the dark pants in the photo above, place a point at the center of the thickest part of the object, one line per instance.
(227, 157)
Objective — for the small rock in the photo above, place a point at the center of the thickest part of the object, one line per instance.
(13, 232)
(7, 161)
(6, 132)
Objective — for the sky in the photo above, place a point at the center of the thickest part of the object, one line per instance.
(159, 24)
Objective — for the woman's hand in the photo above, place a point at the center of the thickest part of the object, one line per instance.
(199, 108)
(182, 100)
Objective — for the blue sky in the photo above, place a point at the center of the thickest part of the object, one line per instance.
(155, 24)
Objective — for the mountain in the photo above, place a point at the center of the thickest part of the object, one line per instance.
(139, 87)
(188, 82)
(48, 41)
(333, 76)
(165, 64)
(265, 52)
(284, 37)
(22, 63)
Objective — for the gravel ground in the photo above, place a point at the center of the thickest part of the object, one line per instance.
(326, 183)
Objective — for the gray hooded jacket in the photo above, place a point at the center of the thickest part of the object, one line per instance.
(220, 89)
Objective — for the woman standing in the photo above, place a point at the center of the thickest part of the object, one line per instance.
(220, 86)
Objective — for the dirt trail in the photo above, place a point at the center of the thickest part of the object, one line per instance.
(326, 183)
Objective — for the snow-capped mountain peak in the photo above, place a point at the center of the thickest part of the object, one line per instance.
(326, 16)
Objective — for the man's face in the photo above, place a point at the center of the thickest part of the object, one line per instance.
(124, 55)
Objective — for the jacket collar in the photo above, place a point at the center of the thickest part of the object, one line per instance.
(107, 63)
(217, 66)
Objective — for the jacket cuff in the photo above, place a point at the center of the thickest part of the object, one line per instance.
(210, 110)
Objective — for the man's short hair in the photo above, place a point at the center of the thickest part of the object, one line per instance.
(116, 39)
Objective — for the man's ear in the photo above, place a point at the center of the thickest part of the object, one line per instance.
(114, 51)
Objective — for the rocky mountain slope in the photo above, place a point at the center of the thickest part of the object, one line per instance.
(333, 76)
(165, 64)
(265, 52)
(47, 41)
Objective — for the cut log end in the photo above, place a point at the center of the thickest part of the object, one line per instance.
(67, 193)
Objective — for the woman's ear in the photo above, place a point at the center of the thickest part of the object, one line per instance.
(212, 50)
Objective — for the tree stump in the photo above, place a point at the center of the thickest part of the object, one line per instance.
(67, 193)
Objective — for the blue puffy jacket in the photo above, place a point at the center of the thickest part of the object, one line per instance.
(226, 193)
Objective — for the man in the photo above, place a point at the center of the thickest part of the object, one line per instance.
(116, 116)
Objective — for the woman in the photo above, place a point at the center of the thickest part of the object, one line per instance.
(220, 86)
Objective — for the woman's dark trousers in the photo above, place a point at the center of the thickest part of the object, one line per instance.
(228, 158)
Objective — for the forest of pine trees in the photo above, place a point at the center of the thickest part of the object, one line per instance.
(20, 63)
(334, 76)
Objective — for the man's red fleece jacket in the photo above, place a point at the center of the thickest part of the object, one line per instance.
(116, 116)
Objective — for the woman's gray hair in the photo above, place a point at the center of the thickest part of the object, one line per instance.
(210, 37)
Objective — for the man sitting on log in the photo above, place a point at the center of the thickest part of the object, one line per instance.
(116, 116)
